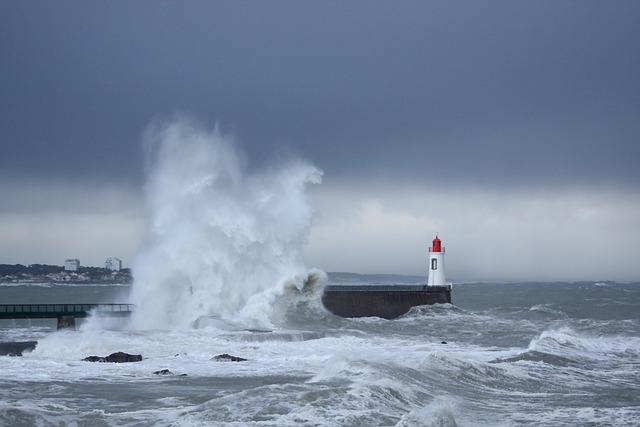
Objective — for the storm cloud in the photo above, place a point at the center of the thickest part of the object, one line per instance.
(509, 124)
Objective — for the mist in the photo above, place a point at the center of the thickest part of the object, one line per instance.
(48, 222)
(531, 234)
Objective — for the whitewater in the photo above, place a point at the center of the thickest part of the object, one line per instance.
(545, 354)
(222, 272)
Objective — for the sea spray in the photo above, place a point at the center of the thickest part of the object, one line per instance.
(218, 234)
(274, 304)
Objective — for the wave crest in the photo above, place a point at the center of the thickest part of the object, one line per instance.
(219, 235)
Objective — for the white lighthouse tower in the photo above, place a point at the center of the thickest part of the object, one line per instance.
(436, 264)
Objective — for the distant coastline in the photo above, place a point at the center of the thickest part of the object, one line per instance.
(43, 273)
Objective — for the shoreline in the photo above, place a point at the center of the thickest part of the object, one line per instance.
(66, 282)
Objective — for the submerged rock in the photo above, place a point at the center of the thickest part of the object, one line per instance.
(228, 358)
(118, 357)
(167, 372)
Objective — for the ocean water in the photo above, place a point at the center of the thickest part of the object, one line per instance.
(502, 354)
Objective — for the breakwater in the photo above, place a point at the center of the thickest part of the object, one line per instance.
(386, 301)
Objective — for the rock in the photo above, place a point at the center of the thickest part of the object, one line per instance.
(228, 358)
(118, 357)
(121, 357)
(443, 342)
(167, 372)
(16, 348)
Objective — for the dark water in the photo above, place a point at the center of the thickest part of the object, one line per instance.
(509, 354)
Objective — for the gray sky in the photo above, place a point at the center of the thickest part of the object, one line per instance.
(512, 128)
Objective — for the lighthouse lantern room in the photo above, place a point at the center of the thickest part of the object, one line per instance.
(436, 264)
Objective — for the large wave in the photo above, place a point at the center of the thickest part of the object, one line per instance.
(219, 235)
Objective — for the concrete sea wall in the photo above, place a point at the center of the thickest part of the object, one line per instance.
(387, 302)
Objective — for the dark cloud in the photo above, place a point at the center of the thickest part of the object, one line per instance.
(486, 89)
(510, 99)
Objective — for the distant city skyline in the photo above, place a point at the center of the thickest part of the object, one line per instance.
(61, 264)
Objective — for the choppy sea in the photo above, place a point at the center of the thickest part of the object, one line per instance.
(502, 354)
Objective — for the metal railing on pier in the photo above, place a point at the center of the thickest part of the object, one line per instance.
(386, 288)
(40, 311)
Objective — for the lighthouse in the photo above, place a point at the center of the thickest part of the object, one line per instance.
(436, 264)
(390, 302)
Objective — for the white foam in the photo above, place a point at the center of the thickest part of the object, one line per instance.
(564, 341)
(219, 234)
(546, 309)
(436, 414)
(347, 377)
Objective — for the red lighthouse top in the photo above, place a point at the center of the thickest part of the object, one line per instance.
(436, 245)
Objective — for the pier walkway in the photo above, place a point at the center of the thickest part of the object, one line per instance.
(65, 313)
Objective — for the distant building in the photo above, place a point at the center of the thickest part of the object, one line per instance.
(113, 264)
(71, 264)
